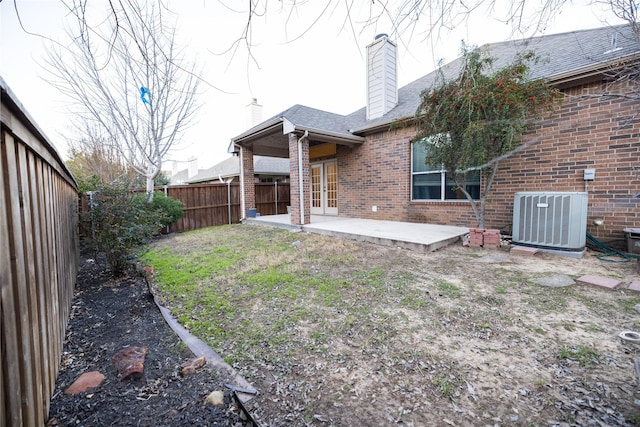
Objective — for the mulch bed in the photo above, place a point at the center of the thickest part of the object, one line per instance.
(107, 315)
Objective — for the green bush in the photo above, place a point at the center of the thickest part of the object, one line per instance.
(122, 221)
(166, 209)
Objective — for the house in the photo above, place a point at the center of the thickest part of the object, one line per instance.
(364, 164)
(266, 169)
(181, 176)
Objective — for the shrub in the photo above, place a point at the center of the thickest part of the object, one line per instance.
(122, 221)
(166, 209)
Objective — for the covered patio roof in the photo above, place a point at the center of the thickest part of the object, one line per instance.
(271, 137)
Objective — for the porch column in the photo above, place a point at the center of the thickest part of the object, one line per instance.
(299, 167)
(247, 179)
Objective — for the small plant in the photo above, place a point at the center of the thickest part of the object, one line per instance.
(447, 289)
(445, 384)
(584, 355)
(539, 382)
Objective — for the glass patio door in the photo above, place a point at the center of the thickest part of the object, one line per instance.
(324, 188)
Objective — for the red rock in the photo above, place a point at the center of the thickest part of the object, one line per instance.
(84, 382)
(130, 362)
(190, 367)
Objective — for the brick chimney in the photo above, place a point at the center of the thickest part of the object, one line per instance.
(382, 79)
(254, 113)
(193, 167)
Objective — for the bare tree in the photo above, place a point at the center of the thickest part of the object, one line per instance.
(93, 161)
(126, 76)
(402, 19)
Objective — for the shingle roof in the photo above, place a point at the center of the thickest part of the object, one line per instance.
(231, 167)
(563, 56)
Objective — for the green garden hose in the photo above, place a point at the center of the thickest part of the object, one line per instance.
(609, 251)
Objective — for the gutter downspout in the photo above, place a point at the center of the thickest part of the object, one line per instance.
(300, 177)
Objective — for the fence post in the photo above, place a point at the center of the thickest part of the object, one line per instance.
(276, 197)
(91, 205)
(166, 193)
(229, 200)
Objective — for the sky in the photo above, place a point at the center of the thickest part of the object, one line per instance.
(305, 57)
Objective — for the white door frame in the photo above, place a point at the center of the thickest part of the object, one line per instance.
(323, 200)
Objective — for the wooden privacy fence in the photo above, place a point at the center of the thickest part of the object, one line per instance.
(272, 198)
(38, 264)
(206, 205)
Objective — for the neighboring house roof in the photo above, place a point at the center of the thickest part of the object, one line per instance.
(566, 58)
(231, 167)
(180, 177)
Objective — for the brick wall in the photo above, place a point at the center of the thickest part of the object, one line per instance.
(249, 181)
(587, 131)
(376, 174)
(295, 176)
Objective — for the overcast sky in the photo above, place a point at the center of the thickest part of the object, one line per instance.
(320, 65)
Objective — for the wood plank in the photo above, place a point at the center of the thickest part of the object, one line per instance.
(38, 267)
(30, 287)
(49, 271)
(19, 381)
(38, 254)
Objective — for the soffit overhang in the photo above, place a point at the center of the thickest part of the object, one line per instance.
(272, 138)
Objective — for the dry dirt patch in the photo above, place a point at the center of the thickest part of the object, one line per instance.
(335, 332)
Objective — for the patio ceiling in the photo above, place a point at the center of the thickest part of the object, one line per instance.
(272, 138)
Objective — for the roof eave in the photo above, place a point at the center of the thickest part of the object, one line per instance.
(330, 136)
(256, 132)
(586, 73)
(380, 126)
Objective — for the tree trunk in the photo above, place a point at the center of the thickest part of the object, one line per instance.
(481, 212)
(149, 188)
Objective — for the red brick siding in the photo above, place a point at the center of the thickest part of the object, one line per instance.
(585, 132)
(294, 177)
(249, 181)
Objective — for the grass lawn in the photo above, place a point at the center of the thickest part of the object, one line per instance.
(338, 332)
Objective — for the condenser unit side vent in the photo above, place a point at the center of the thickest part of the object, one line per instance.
(554, 220)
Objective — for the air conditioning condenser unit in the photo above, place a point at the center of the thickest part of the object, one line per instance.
(551, 221)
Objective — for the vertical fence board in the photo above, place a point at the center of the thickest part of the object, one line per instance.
(207, 205)
(30, 284)
(21, 308)
(12, 384)
(38, 264)
(36, 206)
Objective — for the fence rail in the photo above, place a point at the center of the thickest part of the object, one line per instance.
(272, 199)
(38, 264)
(206, 205)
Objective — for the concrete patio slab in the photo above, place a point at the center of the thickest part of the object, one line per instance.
(408, 235)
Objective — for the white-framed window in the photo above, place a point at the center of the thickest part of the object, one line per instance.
(433, 182)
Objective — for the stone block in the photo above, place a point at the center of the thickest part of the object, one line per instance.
(635, 286)
(599, 281)
(523, 250)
